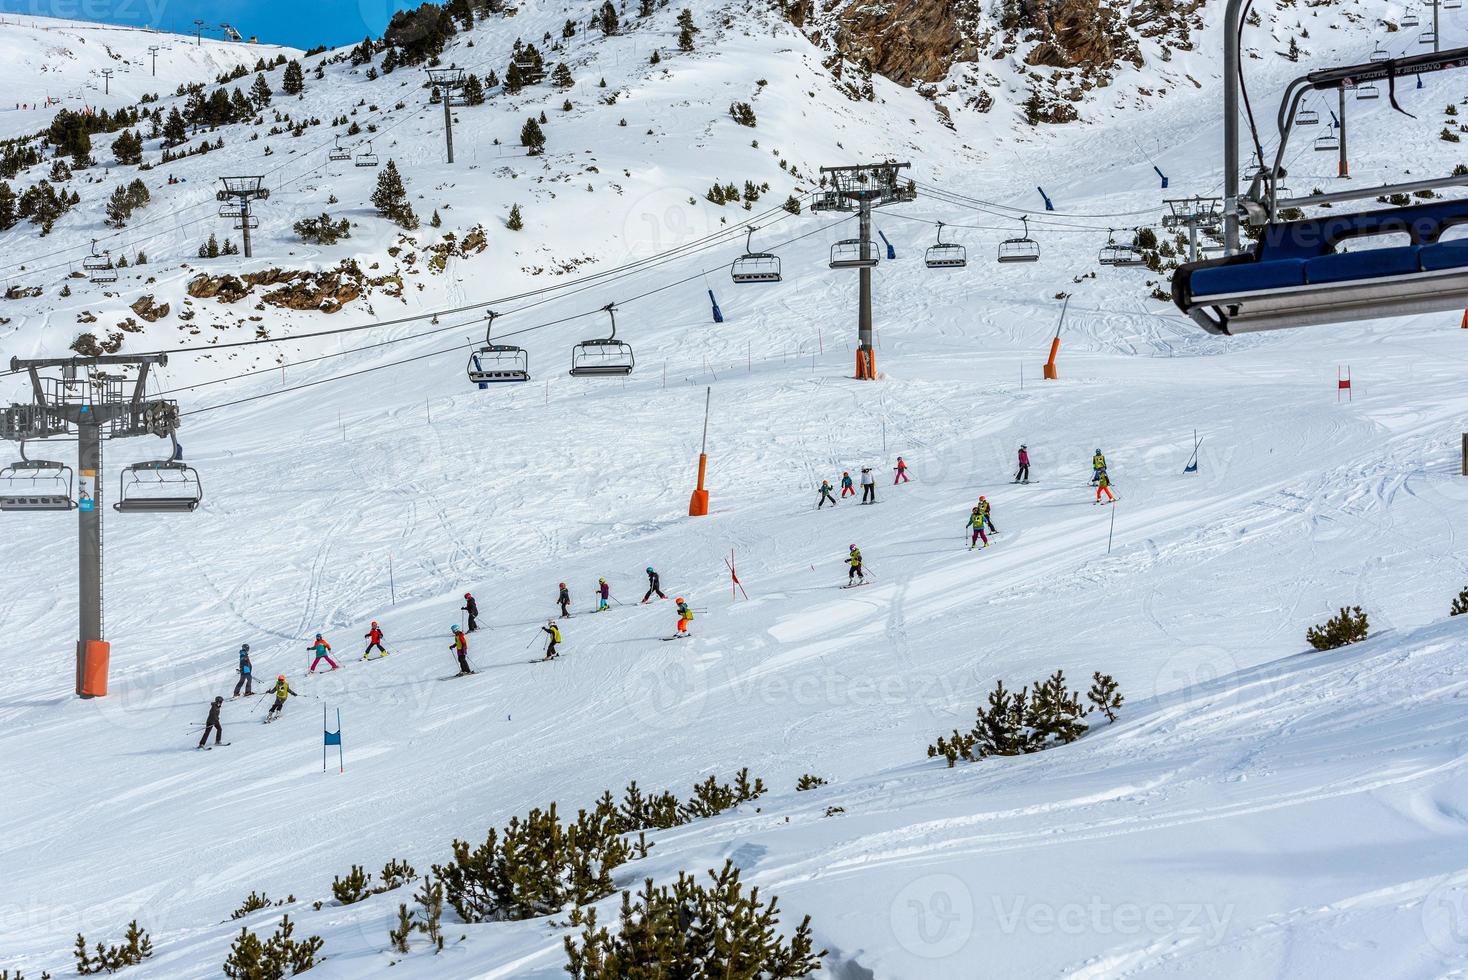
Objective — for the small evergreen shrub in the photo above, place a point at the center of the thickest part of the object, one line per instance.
(395, 874)
(1460, 604)
(1347, 626)
(808, 781)
(353, 888)
(323, 230)
(135, 948)
(742, 113)
(1035, 718)
(254, 902)
(278, 957)
(693, 930)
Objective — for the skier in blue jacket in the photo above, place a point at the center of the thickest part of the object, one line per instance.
(246, 672)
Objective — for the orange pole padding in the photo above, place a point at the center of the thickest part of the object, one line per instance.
(866, 365)
(1050, 373)
(698, 504)
(1465, 319)
(91, 669)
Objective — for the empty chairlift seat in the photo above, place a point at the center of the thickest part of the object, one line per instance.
(1307, 117)
(1409, 20)
(1306, 272)
(35, 484)
(160, 486)
(367, 158)
(854, 253)
(1367, 92)
(603, 358)
(752, 266)
(945, 255)
(1021, 249)
(339, 153)
(497, 363)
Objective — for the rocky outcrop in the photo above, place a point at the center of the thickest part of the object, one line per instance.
(145, 307)
(907, 41)
(295, 289)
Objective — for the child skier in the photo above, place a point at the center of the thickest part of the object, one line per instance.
(1022, 475)
(553, 631)
(282, 691)
(603, 594)
(373, 636)
(246, 670)
(847, 490)
(901, 473)
(322, 651)
(868, 486)
(853, 559)
(1103, 485)
(826, 495)
(685, 616)
(212, 724)
(471, 609)
(460, 646)
(976, 521)
(654, 585)
(983, 509)
(564, 600)
(1098, 465)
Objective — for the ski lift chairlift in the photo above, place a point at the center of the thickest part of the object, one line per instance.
(339, 153)
(603, 358)
(754, 266)
(367, 158)
(1119, 254)
(1427, 37)
(1307, 117)
(1021, 249)
(99, 268)
(497, 363)
(850, 254)
(1452, 4)
(1327, 142)
(35, 484)
(1380, 54)
(1409, 19)
(945, 256)
(1367, 92)
(161, 486)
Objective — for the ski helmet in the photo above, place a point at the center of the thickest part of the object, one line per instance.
(976, 508)
(1098, 449)
(601, 580)
(983, 498)
(281, 677)
(851, 548)
(455, 627)
(649, 568)
(245, 647)
(679, 600)
(563, 585)
(468, 596)
(374, 622)
(318, 636)
(1023, 446)
(218, 699)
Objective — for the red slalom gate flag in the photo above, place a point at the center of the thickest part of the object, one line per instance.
(734, 582)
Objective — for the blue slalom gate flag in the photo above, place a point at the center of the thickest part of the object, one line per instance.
(330, 738)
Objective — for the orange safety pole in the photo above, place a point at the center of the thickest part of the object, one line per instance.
(1465, 319)
(866, 364)
(1050, 373)
(698, 504)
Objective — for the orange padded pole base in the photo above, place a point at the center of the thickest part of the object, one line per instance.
(698, 504)
(91, 668)
(1051, 374)
(866, 364)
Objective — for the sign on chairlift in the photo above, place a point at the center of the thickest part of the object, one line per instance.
(86, 491)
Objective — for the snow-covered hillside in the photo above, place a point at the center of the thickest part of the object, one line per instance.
(50, 64)
(1256, 810)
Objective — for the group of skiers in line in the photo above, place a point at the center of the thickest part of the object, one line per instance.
(868, 485)
(320, 649)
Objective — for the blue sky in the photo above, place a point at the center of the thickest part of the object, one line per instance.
(299, 23)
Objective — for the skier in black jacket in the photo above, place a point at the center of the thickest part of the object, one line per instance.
(654, 585)
(471, 609)
(212, 724)
(564, 600)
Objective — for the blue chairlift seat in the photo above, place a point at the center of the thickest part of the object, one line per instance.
(1303, 272)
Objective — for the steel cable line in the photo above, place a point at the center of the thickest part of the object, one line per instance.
(981, 205)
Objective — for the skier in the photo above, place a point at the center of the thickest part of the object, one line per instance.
(854, 560)
(685, 616)
(901, 472)
(553, 631)
(603, 594)
(654, 585)
(460, 646)
(246, 670)
(868, 486)
(976, 521)
(1098, 465)
(212, 724)
(322, 651)
(471, 609)
(847, 490)
(282, 691)
(565, 601)
(1103, 484)
(1022, 475)
(826, 495)
(983, 510)
(373, 636)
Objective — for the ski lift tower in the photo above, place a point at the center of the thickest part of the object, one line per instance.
(90, 399)
(860, 189)
(1193, 213)
(236, 195)
(446, 81)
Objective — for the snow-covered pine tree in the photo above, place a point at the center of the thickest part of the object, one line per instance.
(391, 198)
(292, 81)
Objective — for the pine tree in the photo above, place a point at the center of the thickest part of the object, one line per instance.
(118, 207)
(8, 216)
(1348, 626)
(260, 92)
(128, 148)
(175, 131)
(514, 80)
(1459, 607)
(645, 8)
(473, 90)
(686, 30)
(391, 198)
(656, 58)
(515, 223)
(1056, 712)
(1294, 52)
(532, 138)
(569, 31)
(1104, 695)
(607, 19)
(292, 81)
(561, 78)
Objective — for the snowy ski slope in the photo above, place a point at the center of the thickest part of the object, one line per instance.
(1256, 810)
